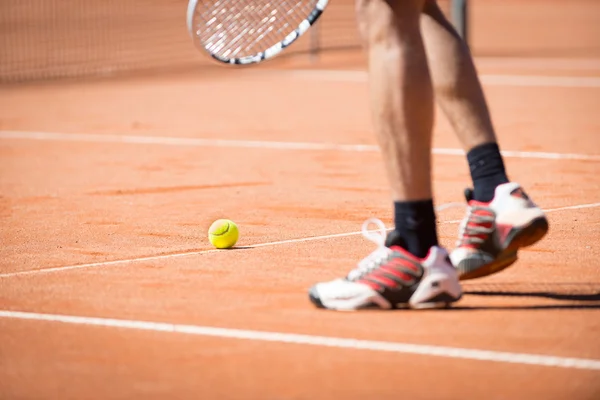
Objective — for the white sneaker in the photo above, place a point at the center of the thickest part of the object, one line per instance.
(390, 277)
(491, 233)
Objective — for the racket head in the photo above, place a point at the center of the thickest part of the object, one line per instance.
(243, 32)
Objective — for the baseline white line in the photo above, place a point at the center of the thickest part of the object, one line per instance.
(199, 142)
(541, 81)
(171, 255)
(486, 79)
(592, 64)
(575, 207)
(549, 210)
(252, 246)
(323, 341)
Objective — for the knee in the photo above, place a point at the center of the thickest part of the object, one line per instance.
(382, 20)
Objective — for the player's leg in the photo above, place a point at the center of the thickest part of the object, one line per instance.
(501, 217)
(402, 106)
(460, 95)
(410, 269)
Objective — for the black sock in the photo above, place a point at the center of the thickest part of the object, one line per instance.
(487, 170)
(415, 227)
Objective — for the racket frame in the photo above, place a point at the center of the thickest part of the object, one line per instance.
(266, 54)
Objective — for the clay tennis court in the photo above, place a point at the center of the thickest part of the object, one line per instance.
(109, 288)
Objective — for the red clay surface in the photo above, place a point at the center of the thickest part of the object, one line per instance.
(69, 202)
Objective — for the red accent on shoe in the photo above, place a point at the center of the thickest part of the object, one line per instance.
(393, 270)
(384, 280)
(520, 193)
(503, 231)
(482, 213)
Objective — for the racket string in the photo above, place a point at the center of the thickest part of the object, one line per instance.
(237, 28)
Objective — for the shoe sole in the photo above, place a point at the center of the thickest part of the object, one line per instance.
(442, 300)
(522, 237)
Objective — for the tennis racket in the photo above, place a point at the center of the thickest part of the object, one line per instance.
(250, 31)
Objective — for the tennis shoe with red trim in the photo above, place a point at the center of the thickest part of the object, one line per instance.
(491, 233)
(391, 277)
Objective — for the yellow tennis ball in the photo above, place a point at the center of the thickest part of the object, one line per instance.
(223, 234)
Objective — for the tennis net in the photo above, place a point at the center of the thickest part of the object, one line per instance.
(50, 39)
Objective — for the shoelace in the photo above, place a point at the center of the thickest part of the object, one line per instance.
(378, 236)
(379, 255)
(476, 226)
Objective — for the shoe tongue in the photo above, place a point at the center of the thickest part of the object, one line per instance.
(469, 194)
(393, 239)
(474, 203)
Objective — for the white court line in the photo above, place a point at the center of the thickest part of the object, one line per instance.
(549, 210)
(252, 246)
(590, 64)
(171, 255)
(486, 79)
(199, 142)
(323, 341)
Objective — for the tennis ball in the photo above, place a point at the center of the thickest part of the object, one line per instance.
(223, 233)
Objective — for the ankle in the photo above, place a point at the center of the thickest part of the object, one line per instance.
(487, 170)
(415, 229)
